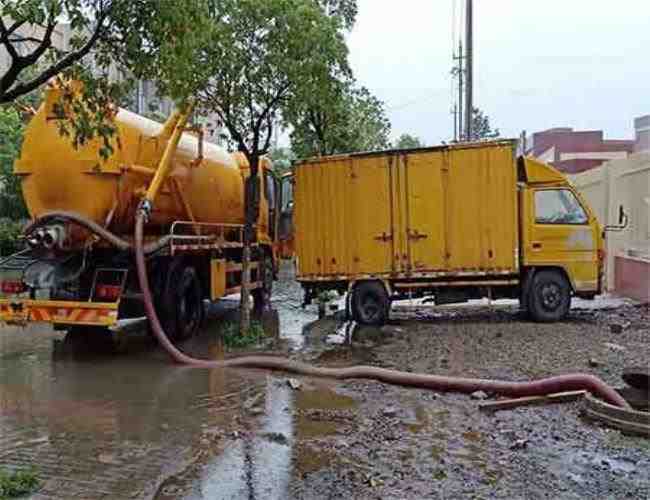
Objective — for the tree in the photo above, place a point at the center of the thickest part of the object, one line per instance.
(481, 128)
(12, 204)
(341, 119)
(261, 56)
(148, 38)
(407, 141)
(345, 10)
(282, 159)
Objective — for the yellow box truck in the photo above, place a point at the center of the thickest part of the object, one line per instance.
(454, 222)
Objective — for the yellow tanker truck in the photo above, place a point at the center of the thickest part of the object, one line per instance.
(450, 223)
(78, 268)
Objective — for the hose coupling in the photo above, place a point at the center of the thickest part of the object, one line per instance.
(145, 208)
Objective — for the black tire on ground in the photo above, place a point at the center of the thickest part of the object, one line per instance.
(262, 295)
(182, 312)
(370, 303)
(550, 296)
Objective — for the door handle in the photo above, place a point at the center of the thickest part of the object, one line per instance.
(537, 245)
(384, 237)
(416, 235)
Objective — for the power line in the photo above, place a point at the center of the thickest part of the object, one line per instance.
(412, 102)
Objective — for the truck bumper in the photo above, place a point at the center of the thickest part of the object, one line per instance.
(23, 311)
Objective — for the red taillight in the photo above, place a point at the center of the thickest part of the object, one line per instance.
(108, 293)
(13, 287)
(601, 255)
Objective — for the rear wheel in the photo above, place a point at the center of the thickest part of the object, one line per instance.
(370, 303)
(182, 302)
(550, 296)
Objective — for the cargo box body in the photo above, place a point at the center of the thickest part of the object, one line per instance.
(427, 213)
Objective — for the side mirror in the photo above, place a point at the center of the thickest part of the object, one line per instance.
(621, 215)
(622, 221)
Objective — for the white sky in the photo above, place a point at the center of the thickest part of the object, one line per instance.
(538, 63)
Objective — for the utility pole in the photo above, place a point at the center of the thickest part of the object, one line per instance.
(469, 64)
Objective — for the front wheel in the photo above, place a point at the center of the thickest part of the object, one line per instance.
(550, 296)
(370, 303)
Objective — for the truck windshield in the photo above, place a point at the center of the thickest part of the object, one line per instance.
(558, 206)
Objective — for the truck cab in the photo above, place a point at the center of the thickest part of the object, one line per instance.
(560, 238)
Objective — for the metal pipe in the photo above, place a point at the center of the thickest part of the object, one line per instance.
(165, 164)
(93, 227)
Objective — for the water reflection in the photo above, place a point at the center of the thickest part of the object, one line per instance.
(100, 410)
(256, 465)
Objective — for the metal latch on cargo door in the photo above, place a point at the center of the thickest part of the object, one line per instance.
(384, 237)
(416, 235)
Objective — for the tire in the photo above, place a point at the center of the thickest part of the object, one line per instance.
(550, 296)
(262, 295)
(181, 313)
(370, 303)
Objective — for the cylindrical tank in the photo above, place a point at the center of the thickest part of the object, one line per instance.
(56, 176)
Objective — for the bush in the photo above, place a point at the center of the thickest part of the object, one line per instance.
(18, 483)
(10, 232)
(233, 339)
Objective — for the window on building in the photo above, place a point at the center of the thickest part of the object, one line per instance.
(558, 206)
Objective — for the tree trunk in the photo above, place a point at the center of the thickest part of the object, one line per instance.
(251, 213)
(245, 313)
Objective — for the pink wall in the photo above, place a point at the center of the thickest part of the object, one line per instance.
(632, 278)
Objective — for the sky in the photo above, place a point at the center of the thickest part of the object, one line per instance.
(538, 64)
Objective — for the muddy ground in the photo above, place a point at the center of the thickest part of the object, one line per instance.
(100, 424)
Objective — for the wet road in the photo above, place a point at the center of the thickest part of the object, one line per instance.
(98, 424)
(104, 424)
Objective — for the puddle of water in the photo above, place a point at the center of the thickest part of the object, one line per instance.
(103, 416)
(309, 460)
(426, 419)
(259, 467)
(324, 399)
(99, 418)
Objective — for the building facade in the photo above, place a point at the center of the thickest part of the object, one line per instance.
(623, 183)
(642, 134)
(574, 151)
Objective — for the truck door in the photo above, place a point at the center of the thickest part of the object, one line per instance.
(424, 231)
(370, 235)
(559, 233)
(271, 193)
(285, 223)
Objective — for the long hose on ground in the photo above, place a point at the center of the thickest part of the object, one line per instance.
(571, 382)
(577, 381)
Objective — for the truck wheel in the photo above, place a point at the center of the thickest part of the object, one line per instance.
(262, 295)
(370, 303)
(550, 296)
(182, 302)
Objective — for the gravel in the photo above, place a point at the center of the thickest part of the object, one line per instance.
(406, 443)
